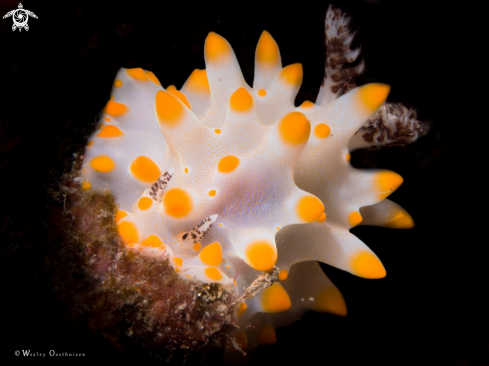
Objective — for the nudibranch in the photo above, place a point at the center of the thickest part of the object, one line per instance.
(228, 181)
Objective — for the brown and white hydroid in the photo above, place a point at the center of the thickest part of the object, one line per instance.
(341, 69)
(392, 125)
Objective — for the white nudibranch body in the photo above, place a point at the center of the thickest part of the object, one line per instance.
(228, 180)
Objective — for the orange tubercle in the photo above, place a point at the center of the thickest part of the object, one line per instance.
(110, 131)
(153, 78)
(216, 47)
(294, 128)
(261, 255)
(198, 81)
(152, 241)
(115, 109)
(145, 169)
(213, 273)
(355, 218)
(330, 301)
(102, 164)
(292, 74)
(367, 265)
(309, 208)
(386, 182)
(144, 203)
(267, 51)
(283, 274)
(128, 232)
(275, 299)
(211, 254)
(137, 74)
(241, 100)
(172, 89)
(169, 110)
(177, 202)
(401, 220)
(228, 164)
(373, 95)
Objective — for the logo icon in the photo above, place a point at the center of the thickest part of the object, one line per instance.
(20, 17)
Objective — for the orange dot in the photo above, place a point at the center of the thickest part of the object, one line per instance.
(309, 208)
(275, 299)
(107, 119)
(283, 274)
(120, 215)
(307, 104)
(128, 232)
(152, 241)
(387, 182)
(267, 50)
(145, 169)
(117, 83)
(178, 261)
(213, 273)
(347, 157)
(137, 74)
(354, 218)
(322, 218)
(169, 110)
(401, 220)
(294, 128)
(197, 246)
(262, 92)
(266, 335)
(330, 301)
(177, 202)
(212, 192)
(115, 109)
(144, 203)
(228, 164)
(102, 164)
(211, 254)
(261, 255)
(322, 130)
(241, 100)
(217, 131)
(216, 47)
(85, 186)
(186, 170)
(172, 89)
(110, 131)
(153, 78)
(373, 95)
(367, 265)
(198, 81)
(292, 74)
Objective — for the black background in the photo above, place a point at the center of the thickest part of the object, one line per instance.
(55, 78)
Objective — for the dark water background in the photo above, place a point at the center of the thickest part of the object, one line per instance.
(55, 78)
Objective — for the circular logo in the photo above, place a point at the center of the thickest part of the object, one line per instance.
(20, 17)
